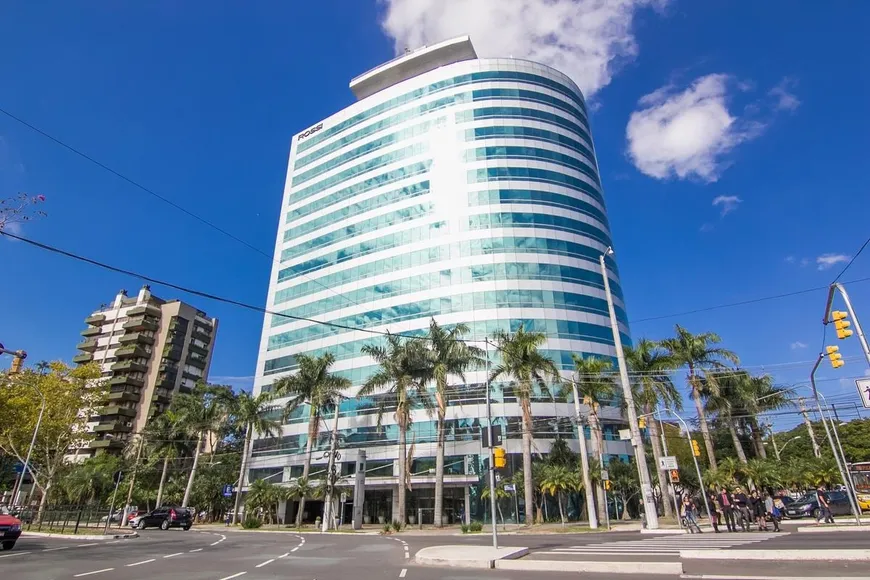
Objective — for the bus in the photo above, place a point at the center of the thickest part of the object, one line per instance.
(860, 474)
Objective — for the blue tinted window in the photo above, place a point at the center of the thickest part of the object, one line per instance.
(533, 174)
(526, 196)
(506, 131)
(369, 184)
(516, 152)
(521, 113)
(537, 220)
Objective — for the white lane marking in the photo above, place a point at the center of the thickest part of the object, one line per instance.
(407, 555)
(56, 549)
(15, 554)
(234, 576)
(215, 543)
(403, 572)
(197, 550)
(173, 555)
(94, 572)
(140, 563)
(284, 555)
(294, 549)
(264, 563)
(86, 545)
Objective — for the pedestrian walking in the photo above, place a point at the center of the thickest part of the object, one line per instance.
(824, 508)
(741, 502)
(689, 512)
(726, 501)
(716, 508)
(774, 507)
(758, 511)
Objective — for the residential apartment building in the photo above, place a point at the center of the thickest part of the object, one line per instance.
(149, 350)
(456, 187)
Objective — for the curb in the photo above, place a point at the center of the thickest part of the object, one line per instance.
(451, 560)
(821, 530)
(80, 536)
(732, 577)
(600, 567)
(777, 555)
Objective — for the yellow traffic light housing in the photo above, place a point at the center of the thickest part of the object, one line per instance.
(641, 423)
(17, 361)
(834, 356)
(499, 456)
(841, 324)
(696, 449)
(607, 484)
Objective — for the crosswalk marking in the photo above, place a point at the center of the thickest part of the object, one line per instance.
(664, 545)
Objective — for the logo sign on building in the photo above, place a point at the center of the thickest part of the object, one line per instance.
(668, 462)
(228, 490)
(310, 132)
(864, 391)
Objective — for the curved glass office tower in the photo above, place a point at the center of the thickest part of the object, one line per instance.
(458, 188)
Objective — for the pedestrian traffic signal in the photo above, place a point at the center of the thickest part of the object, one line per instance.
(607, 485)
(696, 449)
(498, 454)
(841, 324)
(674, 475)
(834, 356)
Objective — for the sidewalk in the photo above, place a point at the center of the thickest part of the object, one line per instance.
(116, 536)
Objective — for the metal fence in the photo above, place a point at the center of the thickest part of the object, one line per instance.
(66, 519)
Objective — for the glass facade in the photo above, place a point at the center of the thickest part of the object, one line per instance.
(470, 194)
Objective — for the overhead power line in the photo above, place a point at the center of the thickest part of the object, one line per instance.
(855, 257)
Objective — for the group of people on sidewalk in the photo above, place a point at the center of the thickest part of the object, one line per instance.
(736, 508)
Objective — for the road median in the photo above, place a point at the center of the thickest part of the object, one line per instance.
(777, 555)
(468, 556)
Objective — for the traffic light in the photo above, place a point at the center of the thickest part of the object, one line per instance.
(841, 324)
(498, 454)
(641, 423)
(17, 362)
(696, 449)
(675, 475)
(607, 485)
(834, 355)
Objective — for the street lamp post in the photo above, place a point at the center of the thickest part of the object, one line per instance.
(652, 517)
(779, 451)
(694, 459)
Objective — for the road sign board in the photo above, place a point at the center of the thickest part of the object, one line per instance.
(864, 390)
(343, 497)
(228, 490)
(496, 435)
(605, 476)
(510, 488)
(625, 434)
(668, 462)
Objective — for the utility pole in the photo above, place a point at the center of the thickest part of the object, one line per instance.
(673, 487)
(331, 476)
(816, 450)
(584, 462)
(133, 477)
(492, 498)
(652, 516)
(836, 286)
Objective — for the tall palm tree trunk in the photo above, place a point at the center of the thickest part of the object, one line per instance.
(439, 468)
(757, 438)
(192, 476)
(738, 446)
(529, 491)
(598, 449)
(403, 466)
(306, 467)
(242, 472)
(702, 418)
(561, 509)
(162, 481)
(663, 480)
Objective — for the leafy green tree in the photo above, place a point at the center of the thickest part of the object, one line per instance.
(254, 413)
(699, 354)
(624, 483)
(91, 480)
(500, 495)
(595, 387)
(762, 396)
(650, 366)
(402, 374)
(449, 356)
(524, 364)
(167, 438)
(557, 480)
(313, 384)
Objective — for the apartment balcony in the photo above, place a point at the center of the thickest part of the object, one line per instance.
(200, 334)
(136, 337)
(162, 396)
(166, 380)
(112, 427)
(196, 362)
(129, 366)
(175, 338)
(173, 353)
(107, 444)
(132, 350)
(197, 349)
(140, 323)
(87, 345)
(148, 309)
(179, 325)
(95, 319)
(191, 376)
(125, 396)
(126, 380)
(113, 410)
(83, 358)
(92, 331)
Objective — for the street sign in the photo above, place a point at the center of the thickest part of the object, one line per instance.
(674, 475)
(668, 462)
(19, 467)
(605, 476)
(625, 434)
(496, 434)
(228, 490)
(864, 391)
(510, 488)
(343, 497)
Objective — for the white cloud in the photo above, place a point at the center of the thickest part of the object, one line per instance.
(707, 227)
(790, 259)
(589, 40)
(805, 262)
(686, 134)
(728, 202)
(785, 100)
(798, 345)
(826, 261)
(15, 228)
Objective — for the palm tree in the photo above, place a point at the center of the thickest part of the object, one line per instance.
(167, 437)
(522, 361)
(449, 355)
(698, 353)
(724, 396)
(320, 389)
(762, 396)
(500, 494)
(204, 412)
(652, 386)
(556, 480)
(595, 386)
(402, 374)
(253, 413)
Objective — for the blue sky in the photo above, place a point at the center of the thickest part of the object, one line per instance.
(761, 106)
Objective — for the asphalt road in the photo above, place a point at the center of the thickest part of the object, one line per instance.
(213, 555)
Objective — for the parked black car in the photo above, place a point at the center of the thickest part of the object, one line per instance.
(808, 505)
(164, 518)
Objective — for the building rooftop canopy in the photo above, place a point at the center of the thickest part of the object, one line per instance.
(412, 64)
